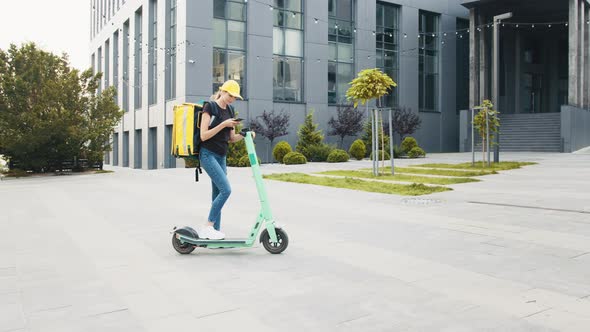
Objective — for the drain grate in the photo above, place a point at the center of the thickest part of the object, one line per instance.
(421, 201)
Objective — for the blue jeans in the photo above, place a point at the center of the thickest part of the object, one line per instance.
(215, 166)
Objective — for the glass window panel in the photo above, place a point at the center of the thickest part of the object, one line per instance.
(380, 10)
(294, 5)
(332, 51)
(331, 7)
(219, 33)
(379, 59)
(293, 42)
(431, 64)
(344, 77)
(331, 76)
(293, 82)
(236, 11)
(344, 52)
(219, 8)
(278, 42)
(344, 10)
(279, 3)
(390, 16)
(279, 18)
(236, 35)
(235, 67)
(293, 20)
(218, 68)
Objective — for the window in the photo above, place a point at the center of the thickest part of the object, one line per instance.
(229, 43)
(99, 68)
(171, 52)
(116, 63)
(462, 64)
(387, 47)
(341, 49)
(107, 52)
(138, 59)
(153, 54)
(428, 62)
(125, 86)
(288, 50)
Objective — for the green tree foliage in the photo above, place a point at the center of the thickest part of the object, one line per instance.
(369, 84)
(49, 112)
(309, 135)
(479, 122)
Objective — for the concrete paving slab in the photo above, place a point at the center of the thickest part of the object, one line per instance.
(93, 253)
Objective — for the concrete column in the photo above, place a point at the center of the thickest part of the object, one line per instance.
(586, 68)
(473, 60)
(582, 52)
(573, 96)
(517, 70)
(483, 60)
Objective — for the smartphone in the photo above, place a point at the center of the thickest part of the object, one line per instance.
(238, 119)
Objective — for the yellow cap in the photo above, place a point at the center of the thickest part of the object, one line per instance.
(232, 87)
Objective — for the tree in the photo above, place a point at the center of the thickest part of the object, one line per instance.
(370, 84)
(272, 126)
(348, 123)
(493, 121)
(308, 134)
(49, 112)
(405, 122)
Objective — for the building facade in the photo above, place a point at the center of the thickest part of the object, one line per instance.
(293, 56)
(543, 72)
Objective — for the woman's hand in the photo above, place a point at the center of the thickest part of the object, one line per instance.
(253, 135)
(230, 123)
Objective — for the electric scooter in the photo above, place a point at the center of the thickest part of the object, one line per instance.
(273, 238)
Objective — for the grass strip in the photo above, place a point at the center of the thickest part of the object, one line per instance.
(415, 189)
(428, 171)
(402, 177)
(501, 166)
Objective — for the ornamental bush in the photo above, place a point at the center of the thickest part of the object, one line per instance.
(380, 155)
(280, 150)
(338, 156)
(408, 144)
(416, 152)
(294, 158)
(358, 150)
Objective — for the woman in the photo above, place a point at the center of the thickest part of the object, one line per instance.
(214, 149)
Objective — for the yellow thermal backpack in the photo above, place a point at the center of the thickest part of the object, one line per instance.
(186, 130)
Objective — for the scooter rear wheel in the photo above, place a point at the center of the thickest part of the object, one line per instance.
(182, 248)
(275, 247)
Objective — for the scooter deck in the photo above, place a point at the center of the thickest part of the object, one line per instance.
(210, 242)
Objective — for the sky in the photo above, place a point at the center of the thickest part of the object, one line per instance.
(54, 25)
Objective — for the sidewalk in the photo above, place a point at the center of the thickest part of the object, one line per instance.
(93, 253)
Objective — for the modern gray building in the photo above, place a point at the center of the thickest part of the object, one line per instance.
(543, 72)
(293, 56)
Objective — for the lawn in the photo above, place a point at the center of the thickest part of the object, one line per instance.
(402, 177)
(501, 166)
(414, 189)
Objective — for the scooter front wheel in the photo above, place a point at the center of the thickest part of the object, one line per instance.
(275, 247)
(182, 248)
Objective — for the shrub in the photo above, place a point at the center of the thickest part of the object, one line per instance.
(367, 137)
(280, 150)
(338, 156)
(308, 134)
(244, 161)
(358, 150)
(293, 158)
(318, 152)
(397, 151)
(380, 155)
(416, 152)
(408, 144)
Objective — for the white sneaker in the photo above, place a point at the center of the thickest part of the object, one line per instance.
(208, 232)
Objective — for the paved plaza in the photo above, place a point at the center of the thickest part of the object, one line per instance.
(93, 253)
